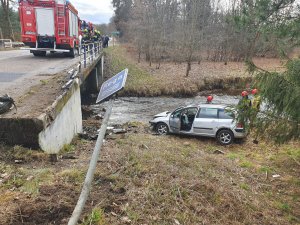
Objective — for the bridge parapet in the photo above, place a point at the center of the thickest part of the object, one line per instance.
(56, 125)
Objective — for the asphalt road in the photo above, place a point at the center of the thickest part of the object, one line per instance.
(19, 70)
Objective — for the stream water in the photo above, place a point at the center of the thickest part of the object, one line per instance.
(128, 109)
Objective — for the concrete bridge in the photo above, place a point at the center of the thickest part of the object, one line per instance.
(47, 121)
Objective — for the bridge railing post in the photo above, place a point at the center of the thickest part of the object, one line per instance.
(84, 56)
(92, 52)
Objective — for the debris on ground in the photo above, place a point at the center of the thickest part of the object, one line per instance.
(219, 152)
(6, 103)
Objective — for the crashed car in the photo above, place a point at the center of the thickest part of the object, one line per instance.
(201, 120)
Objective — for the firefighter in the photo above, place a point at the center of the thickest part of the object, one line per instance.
(244, 108)
(245, 101)
(256, 99)
(97, 35)
(85, 35)
(255, 106)
(209, 99)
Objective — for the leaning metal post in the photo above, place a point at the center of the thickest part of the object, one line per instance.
(92, 167)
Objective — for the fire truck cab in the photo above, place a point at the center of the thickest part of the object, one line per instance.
(49, 26)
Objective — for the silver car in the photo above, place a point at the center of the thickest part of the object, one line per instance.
(202, 120)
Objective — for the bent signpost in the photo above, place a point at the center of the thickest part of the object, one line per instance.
(108, 89)
(112, 86)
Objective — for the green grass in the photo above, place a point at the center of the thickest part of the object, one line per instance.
(95, 218)
(67, 149)
(138, 80)
(233, 156)
(244, 186)
(265, 169)
(38, 177)
(285, 207)
(72, 176)
(246, 164)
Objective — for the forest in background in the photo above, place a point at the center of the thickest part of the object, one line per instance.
(9, 21)
(191, 30)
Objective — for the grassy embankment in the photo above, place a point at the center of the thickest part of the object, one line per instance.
(146, 179)
(170, 79)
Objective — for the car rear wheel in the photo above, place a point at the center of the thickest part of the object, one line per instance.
(225, 137)
(162, 129)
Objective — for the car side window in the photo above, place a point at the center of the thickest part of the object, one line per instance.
(192, 111)
(177, 113)
(208, 113)
(225, 114)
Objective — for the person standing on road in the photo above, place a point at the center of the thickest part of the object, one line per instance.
(106, 41)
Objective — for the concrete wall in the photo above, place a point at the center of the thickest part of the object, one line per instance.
(93, 82)
(66, 125)
(60, 122)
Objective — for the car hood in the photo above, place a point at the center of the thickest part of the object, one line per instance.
(163, 114)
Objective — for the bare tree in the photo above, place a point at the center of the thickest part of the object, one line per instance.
(6, 7)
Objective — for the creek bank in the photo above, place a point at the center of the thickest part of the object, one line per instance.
(225, 85)
(170, 81)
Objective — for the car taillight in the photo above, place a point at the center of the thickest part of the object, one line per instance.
(239, 125)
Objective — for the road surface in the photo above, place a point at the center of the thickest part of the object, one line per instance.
(20, 70)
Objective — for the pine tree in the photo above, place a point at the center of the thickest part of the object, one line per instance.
(279, 118)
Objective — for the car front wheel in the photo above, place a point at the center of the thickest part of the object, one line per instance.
(225, 137)
(162, 129)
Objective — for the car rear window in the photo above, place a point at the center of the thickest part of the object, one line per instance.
(208, 113)
(225, 114)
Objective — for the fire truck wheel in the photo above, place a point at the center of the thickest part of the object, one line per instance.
(39, 53)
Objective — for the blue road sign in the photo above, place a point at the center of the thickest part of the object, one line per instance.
(112, 86)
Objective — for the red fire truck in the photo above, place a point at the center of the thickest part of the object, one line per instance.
(49, 26)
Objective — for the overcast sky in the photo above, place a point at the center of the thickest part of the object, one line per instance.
(95, 11)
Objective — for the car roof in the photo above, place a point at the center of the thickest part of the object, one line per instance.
(215, 106)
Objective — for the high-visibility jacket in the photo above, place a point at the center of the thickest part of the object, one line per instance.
(256, 102)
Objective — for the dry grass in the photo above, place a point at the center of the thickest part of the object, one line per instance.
(178, 180)
(146, 179)
(170, 79)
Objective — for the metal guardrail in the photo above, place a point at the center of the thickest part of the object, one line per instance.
(89, 52)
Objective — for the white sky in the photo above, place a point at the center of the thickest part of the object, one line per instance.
(95, 11)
